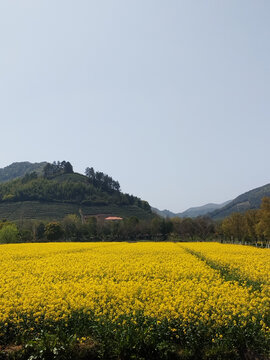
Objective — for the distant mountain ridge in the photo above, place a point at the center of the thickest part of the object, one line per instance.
(163, 213)
(19, 169)
(246, 201)
(249, 200)
(191, 212)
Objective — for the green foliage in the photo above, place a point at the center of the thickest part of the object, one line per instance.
(29, 176)
(47, 346)
(26, 235)
(252, 219)
(9, 234)
(40, 231)
(57, 168)
(70, 226)
(200, 228)
(4, 223)
(235, 226)
(53, 231)
(102, 181)
(91, 228)
(66, 187)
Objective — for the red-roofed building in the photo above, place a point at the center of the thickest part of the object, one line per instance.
(113, 218)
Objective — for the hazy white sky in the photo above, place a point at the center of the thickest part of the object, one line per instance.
(171, 98)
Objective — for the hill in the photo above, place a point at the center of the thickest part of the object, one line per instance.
(19, 169)
(248, 200)
(58, 191)
(191, 212)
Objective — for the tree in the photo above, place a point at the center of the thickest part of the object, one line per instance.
(252, 219)
(40, 231)
(29, 176)
(188, 228)
(92, 226)
(235, 226)
(176, 221)
(67, 167)
(57, 168)
(166, 228)
(130, 227)
(102, 181)
(155, 226)
(116, 186)
(9, 234)
(205, 227)
(53, 231)
(4, 222)
(90, 173)
(70, 225)
(48, 170)
(146, 206)
(263, 226)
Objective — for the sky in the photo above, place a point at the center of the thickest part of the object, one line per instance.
(170, 98)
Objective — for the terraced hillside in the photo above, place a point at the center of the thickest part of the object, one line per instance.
(25, 210)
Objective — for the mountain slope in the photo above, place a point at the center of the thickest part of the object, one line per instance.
(19, 169)
(248, 200)
(202, 210)
(191, 212)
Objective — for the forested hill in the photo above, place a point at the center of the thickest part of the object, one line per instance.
(249, 200)
(19, 169)
(57, 185)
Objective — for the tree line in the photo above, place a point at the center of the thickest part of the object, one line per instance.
(71, 228)
(102, 181)
(251, 227)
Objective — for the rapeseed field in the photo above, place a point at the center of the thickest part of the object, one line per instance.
(137, 300)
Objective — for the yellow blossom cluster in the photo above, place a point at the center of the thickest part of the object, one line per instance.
(161, 280)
